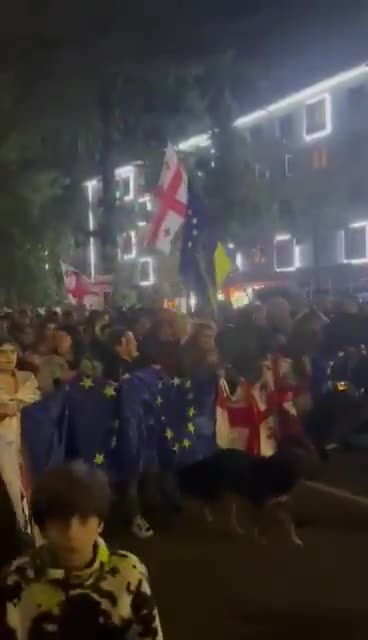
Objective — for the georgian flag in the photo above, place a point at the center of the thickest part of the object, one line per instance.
(76, 285)
(170, 203)
(244, 420)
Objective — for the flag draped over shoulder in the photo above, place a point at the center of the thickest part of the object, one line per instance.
(170, 203)
(44, 432)
(204, 263)
(186, 413)
(92, 421)
(147, 420)
(138, 434)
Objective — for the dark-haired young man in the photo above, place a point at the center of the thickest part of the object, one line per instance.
(121, 359)
(73, 587)
(121, 354)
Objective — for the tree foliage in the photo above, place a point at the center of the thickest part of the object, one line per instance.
(31, 233)
(90, 95)
(239, 204)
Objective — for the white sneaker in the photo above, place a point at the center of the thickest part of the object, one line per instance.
(141, 528)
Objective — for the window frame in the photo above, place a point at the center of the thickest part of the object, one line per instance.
(133, 242)
(150, 281)
(355, 226)
(327, 129)
(285, 238)
(288, 157)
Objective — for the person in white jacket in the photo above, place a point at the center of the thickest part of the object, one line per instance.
(17, 389)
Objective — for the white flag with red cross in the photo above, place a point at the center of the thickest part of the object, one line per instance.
(76, 285)
(170, 203)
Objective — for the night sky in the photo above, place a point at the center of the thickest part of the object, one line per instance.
(39, 18)
(286, 44)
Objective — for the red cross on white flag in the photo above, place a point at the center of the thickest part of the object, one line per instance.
(76, 285)
(170, 203)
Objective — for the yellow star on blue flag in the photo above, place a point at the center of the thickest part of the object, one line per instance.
(176, 447)
(188, 384)
(186, 443)
(191, 427)
(176, 381)
(191, 412)
(169, 434)
(109, 391)
(87, 383)
(99, 459)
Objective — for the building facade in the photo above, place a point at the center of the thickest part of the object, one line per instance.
(312, 147)
(142, 275)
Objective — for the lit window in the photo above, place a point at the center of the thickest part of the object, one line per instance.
(317, 118)
(320, 159)
(125, 178)
(146, 276)
(285, 253)
(129, 245)
(289, 165)
(355, 243)
(126, 187)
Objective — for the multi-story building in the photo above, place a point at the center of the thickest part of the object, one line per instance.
(137, 264)
(139, 268)
(312, 147)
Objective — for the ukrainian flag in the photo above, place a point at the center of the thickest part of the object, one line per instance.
(223, 265)
(204, 263)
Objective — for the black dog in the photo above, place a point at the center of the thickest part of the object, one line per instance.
(264, 483)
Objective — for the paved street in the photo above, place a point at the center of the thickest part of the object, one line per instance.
(212, 584)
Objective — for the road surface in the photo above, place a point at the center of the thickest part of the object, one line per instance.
(211, 584)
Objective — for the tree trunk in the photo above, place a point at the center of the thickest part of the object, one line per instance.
(316, 249)
(107, 223)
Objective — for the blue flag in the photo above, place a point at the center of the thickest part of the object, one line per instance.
(93, 422)
(137, 435)
(148, 420)
(44, 431)
(186, 415)
(204, 263)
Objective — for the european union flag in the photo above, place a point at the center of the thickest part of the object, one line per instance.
(137, 441)
(44, 432)
(93, 422)
(151, 380)
(149, 419)
(203, 261)
(186, 415)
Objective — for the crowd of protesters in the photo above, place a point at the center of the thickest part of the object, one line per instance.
(272, 340)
